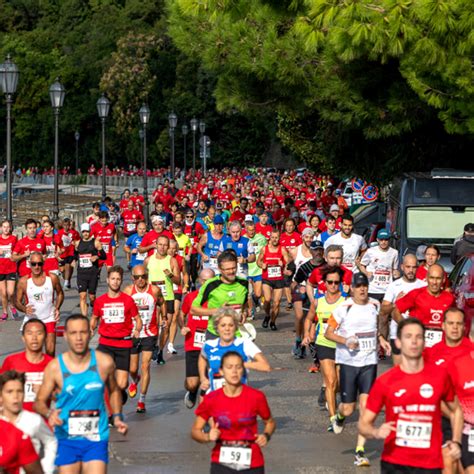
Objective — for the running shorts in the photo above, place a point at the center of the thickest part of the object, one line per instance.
(389, 468)
(170, 307)
(88, 282)
(377, 296)
(192, 358)
(66, 260)
(81, 450)
(325, 353)
(467, 457)
(275, 284)
(8, 276)
(255, 278)
(221, 469)
(144, 344)
(120, 355)
(50, 327)
(354, 380)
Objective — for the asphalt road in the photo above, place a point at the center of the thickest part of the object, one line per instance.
(159, 441)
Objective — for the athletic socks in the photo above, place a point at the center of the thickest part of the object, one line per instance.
(142, 397)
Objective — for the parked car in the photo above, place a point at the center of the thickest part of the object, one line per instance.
(462, 284)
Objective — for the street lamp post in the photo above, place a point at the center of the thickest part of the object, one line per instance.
(172, 121)
(202, 129)
(77, 135)
(184, 131)
(56, 94)
(194, 127)
(144, 114)
(103, 108)
(9, 80)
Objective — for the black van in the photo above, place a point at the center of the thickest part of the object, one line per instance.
(430, 210)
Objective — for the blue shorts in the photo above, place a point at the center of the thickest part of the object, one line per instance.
(255, 278)
(81, 450)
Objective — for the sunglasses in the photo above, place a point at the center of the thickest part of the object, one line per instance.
(189, 217)
(137, 277)
(333, 282)
(36, 264)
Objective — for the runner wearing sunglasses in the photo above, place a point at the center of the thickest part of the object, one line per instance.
(40, 296)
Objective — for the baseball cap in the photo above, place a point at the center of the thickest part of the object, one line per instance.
(338, 192)
(307, 230)
(420, 252)
(218, 220)
(157, 219)
(360, 279)
(85, 227)
(316, 244)
(469, 227)
(334, 207)
(248, 218)
(383, 234)
(219, 205)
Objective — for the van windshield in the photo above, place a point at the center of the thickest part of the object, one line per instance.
(439, 225)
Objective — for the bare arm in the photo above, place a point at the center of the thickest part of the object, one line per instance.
(200, 246)
(20, 298)
(33, 468)
(260, 363)
(59, 291)
(367, 426)
(174, 276)
(47, 388)
(384, 314)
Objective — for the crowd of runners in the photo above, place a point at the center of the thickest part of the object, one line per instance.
(213, 260)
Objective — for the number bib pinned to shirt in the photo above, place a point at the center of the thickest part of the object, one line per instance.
(367, 341)
(236, 457)
(84, 423)
(274, 271)
(433, 336)
(114, 315)
(85, 260)
(413, 431)
(199, 338)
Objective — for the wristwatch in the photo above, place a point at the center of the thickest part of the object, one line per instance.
(268, 436)
(117, 415)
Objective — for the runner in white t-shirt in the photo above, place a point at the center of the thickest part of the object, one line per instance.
(353, 326)
(380, 264)
(354, 245)
(395, 290)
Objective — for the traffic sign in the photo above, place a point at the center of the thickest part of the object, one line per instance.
(357, 184)
(370, 192)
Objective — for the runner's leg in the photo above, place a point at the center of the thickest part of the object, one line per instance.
(50, 345)
(328, 369)
(94, 467)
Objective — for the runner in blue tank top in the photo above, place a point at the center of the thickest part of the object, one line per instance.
(209, 244)
(80, 420)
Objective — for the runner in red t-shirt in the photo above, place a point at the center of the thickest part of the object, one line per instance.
(412, 394)
(67, 236)
(26, 245)
(32, 361)
(428, 304)
(234, 410)
(107, 235)
(148, 244)
(7, 269)
(17, 451)
(193, 328)
(130, 218)
(115, 311)
(52, 242)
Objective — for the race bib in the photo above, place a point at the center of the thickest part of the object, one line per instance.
(131, 227)
(50, 252)
(274, 271)
(84, 423)
(6, 251)
(162, 286)
(106, 248)
(66, 240)
(433, 336)
(213, 262)
(470, 441)
(32, 384)
(140, 256)
(235, 456)
(85, 260)
(199, 338)
(367, 341)
(145, 316)
(241, 269)
(114, 315)
(382, 278)
(413, 431)
(218, 383)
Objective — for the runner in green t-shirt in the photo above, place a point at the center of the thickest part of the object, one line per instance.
(255, 272)
(224, 290)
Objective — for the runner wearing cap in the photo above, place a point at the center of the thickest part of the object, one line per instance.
(208, 247)
(240, 245)
(395, 290)
(88, 252)
(334, 211)
(353, 327)
(380, 264)
(273, 261)
(354, 245)
(428, 304)
(412, 394)
(255, 272)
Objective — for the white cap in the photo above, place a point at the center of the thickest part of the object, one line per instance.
(248, 218)
(307, 230)
(85, 227)
(157, 218)
(334, 207)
